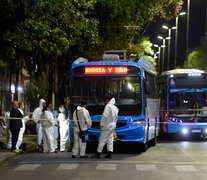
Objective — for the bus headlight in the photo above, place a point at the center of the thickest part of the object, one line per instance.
(185, 131)
(205, 131)
(138, 123)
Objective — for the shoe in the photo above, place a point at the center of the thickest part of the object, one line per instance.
(73, 156)
(84, 157)
(16, 151)
(40, 149)
(108, 155)
(97, 155)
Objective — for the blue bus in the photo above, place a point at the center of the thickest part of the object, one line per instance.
(184, 102)
(132, 84)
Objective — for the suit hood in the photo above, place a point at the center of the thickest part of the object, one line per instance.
(40, 104)
(112, 101)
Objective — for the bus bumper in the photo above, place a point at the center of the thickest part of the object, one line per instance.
(188, 128)
(128, 134)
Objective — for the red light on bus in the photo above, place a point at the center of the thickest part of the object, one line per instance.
(106, 70)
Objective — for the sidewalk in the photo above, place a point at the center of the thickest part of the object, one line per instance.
(5, 155)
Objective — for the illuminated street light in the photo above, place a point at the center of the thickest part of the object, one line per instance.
(168, 38)
(158, 62)
(163, 51)
(176, 36)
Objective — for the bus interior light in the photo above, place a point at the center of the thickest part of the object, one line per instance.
(194, 74)
(171, 75)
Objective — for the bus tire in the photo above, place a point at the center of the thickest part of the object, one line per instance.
(154, 141)
(144, 147)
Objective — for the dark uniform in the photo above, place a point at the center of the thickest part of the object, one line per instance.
(15, 125)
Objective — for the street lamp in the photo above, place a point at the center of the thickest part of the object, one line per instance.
(176, 35)
(169, 37)
(187, 33)
(158, 52)
(163, 51)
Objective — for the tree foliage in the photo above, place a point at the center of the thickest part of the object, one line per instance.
(196, 60)
(42, 34)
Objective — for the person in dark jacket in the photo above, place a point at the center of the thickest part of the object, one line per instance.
(15, 125)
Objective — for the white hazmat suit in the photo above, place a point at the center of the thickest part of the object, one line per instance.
(47, 124)
(36, 116)
(85, 123)
(9, 135)
(56, 128)
(64, 129)
(108, 124)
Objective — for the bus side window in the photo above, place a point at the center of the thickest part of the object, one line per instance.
(150, 84)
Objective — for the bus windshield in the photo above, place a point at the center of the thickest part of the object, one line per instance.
(188, 101)
(126, 91)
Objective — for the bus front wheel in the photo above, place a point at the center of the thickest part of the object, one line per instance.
(144, 147)
(154, 141)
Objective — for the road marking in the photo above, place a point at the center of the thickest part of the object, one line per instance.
(27, 167)
(146, 167)
(67, 166)
(108, 167)
(116, 162)
(185, 168)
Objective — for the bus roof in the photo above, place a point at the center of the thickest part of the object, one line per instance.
(144, 63)
(183, 71)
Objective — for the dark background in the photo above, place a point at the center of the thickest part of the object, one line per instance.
(196, 31)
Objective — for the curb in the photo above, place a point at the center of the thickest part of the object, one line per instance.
(10, 155)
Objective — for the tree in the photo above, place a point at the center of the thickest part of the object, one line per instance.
(49, 35)
(142, 48)
(196, 60)
(40, 42)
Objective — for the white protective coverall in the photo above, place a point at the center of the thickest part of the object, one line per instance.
(64, 130)
(22, 129)
(36, 116)
(56, 128)
(85, 123)
(47, 124)
(9, 135)
(108, 124)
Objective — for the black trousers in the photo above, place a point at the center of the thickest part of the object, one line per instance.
(15, 135)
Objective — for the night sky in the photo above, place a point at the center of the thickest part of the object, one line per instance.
(196, 30)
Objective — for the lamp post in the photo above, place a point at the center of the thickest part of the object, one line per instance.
(176, 36)
(169, 38)
(205, 60)
(163, 51)
(187, 32)
(158, 52)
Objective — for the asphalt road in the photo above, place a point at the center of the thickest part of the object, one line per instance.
(171, 160)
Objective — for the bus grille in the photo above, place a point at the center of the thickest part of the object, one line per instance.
(96, 125)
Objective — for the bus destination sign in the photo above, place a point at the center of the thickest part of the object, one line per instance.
(106, 70)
